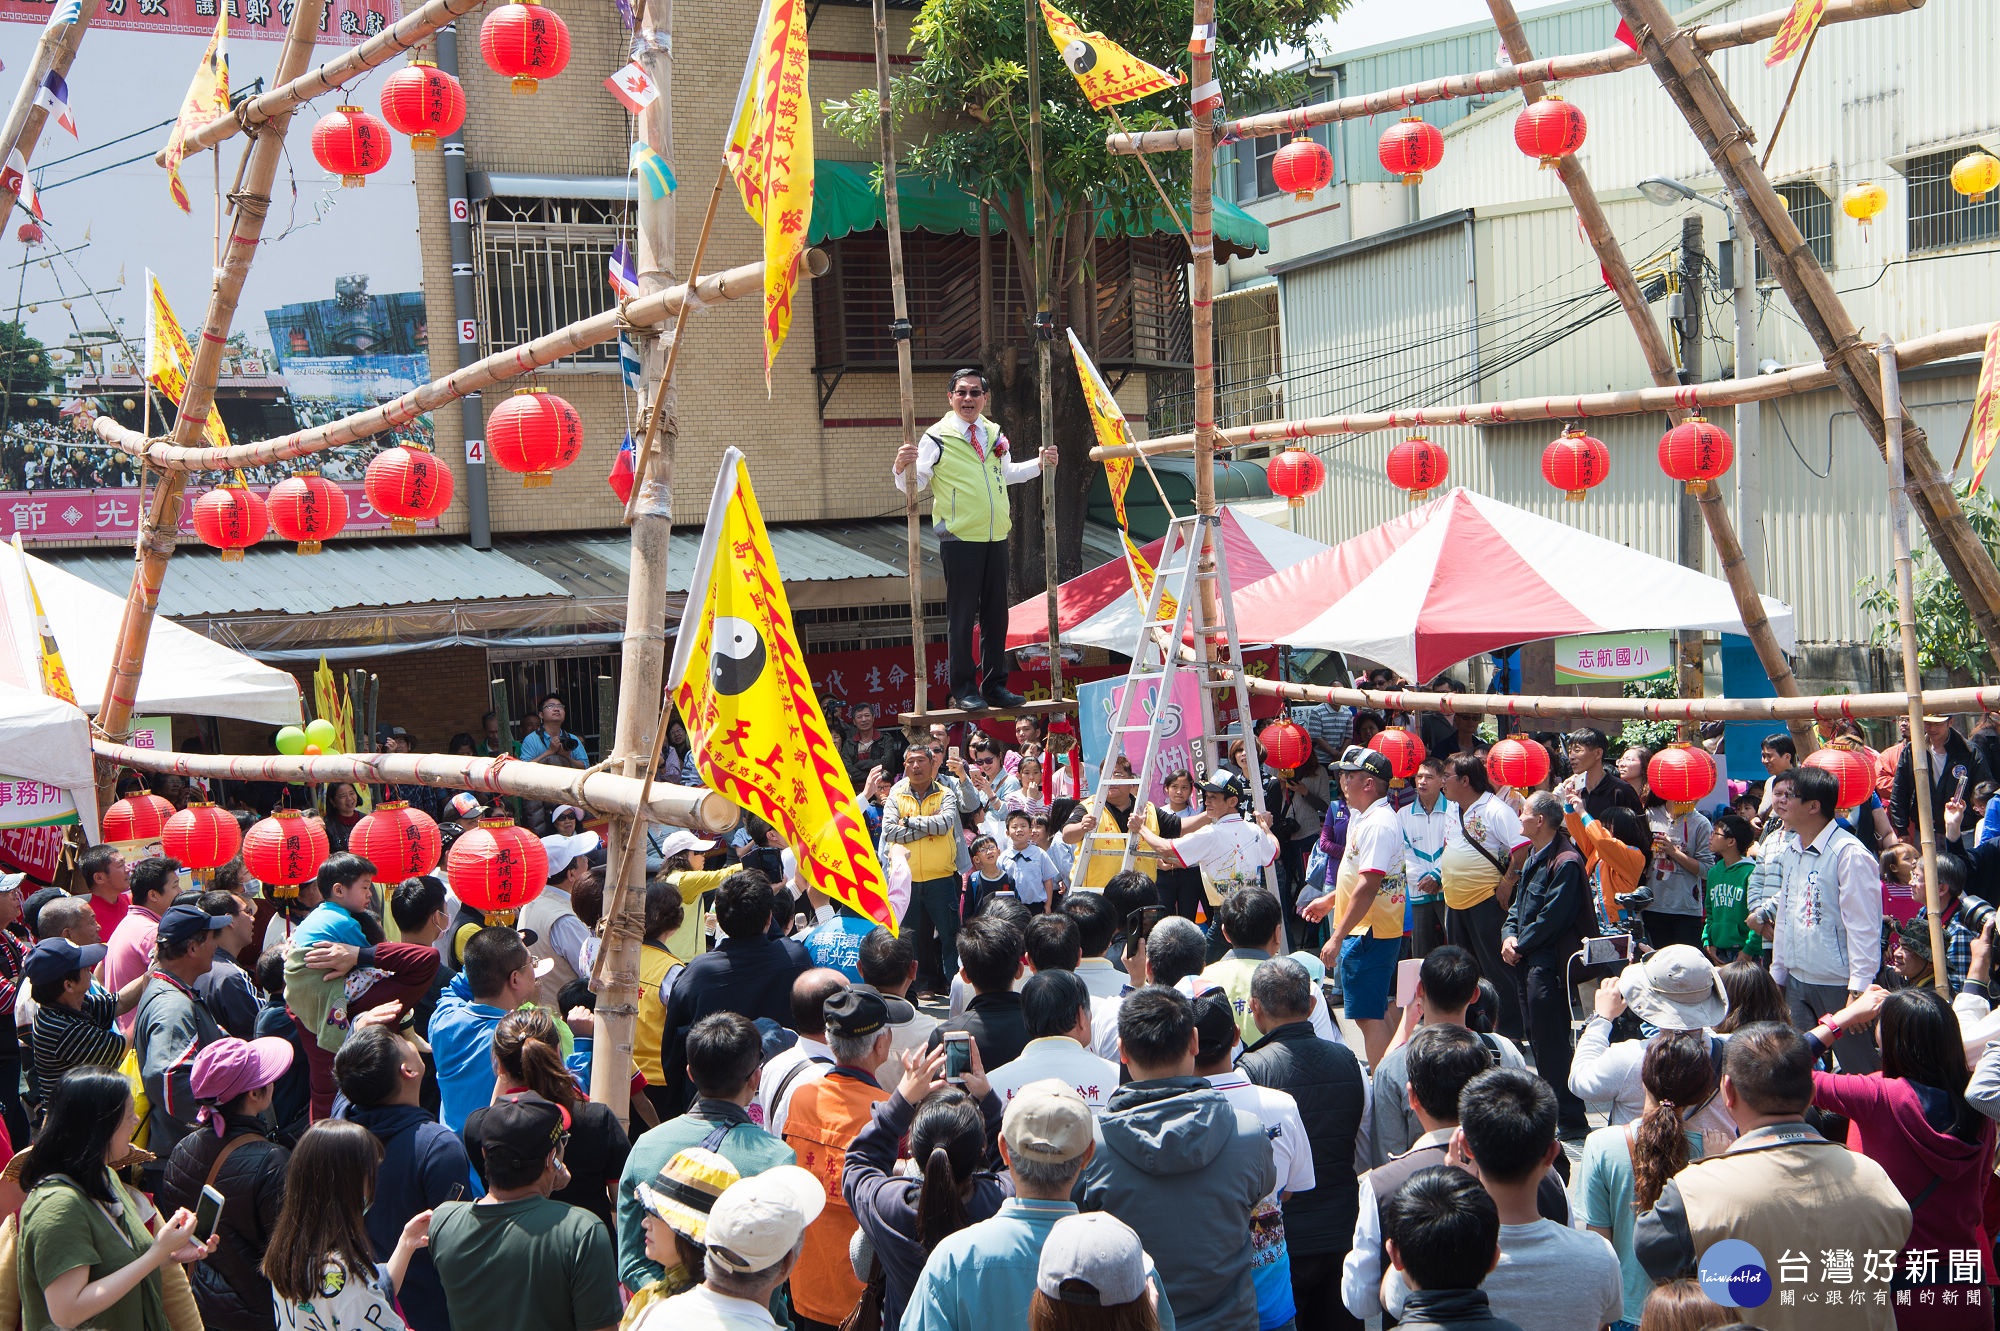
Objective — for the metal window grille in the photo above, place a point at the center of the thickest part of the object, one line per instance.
(1812, 213)
(1249, 362)
(573, 678)
(545, 264)
(1941, 217)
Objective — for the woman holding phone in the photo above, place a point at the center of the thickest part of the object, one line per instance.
(93, 1251)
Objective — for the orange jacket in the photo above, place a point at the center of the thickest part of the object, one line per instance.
(1619, 866)
(825, 1117)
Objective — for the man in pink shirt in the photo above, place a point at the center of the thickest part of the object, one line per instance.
(106, 879)
(155, 883)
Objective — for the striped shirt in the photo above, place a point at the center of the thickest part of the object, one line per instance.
(66, 1038)
(1330, 727)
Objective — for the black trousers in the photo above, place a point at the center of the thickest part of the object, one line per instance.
(975, 592)
(1427, 927)
(1666, 930)
(1477, 930)
(1545, 997)
(1316, 1293)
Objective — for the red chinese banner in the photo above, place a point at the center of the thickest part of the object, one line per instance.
(113, 515)
(345, 22)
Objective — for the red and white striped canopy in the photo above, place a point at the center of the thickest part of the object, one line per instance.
(1464, 574)
(1098, 609)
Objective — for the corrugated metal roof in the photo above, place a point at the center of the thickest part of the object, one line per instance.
(598, 565)
(346, 574)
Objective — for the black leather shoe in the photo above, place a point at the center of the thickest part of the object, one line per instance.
(1001, 696)
(968, 702)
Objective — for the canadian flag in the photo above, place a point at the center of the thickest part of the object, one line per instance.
(634, 87)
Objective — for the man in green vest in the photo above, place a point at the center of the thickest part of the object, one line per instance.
(964, 461)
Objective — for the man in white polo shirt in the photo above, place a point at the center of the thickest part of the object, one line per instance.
(1366, 905)
(1056, 1007)
(1231, 850)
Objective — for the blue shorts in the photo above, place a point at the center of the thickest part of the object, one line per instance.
(1367, 972)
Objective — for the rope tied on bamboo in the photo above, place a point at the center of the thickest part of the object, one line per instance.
(250, 204)
(157, 542)
(249, 128)
(575, 788)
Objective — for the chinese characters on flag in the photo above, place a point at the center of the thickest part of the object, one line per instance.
(1796, 31)
(770, 153)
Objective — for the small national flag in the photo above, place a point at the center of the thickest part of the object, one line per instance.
(626, 16)
(1986, 410)
(1207, 97)
(1106, 71)
(622, 475)
(1202, 40)
(624, 272)
(54, 95)
(1624, 34)
(69, 11)
(634, 87)
(652, 169)
(15, 178)
(628, 364)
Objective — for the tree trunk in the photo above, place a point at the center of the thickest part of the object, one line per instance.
(1016, 405)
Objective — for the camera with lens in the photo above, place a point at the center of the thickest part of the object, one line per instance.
(1974, 913)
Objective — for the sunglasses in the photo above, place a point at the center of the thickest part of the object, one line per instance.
(968, 392)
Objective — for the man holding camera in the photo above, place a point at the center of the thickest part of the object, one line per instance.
(964, 461)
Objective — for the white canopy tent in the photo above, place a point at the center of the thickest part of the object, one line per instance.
(184, 672)
(46, 740)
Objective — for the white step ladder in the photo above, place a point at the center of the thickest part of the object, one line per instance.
(1157, 659)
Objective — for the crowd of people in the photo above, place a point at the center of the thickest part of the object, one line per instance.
(1070, 1092)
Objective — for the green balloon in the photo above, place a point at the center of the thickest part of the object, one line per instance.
(322, 733)
(291, 741)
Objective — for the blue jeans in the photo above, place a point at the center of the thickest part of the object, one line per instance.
(934, 910)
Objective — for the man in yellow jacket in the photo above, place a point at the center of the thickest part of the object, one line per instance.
(921, 815)
(964, 461)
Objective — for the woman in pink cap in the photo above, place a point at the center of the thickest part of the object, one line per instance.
(235, 1153)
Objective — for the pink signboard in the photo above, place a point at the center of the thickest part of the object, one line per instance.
(344, 23)
(113, 515)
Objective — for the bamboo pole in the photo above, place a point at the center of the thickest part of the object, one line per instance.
(1906, 623)
(906, 388)
(1660, 364)
(642, 665)
(1830, 707)
(1687, 77)
(54, 51)
(410, 32)
(646, 311)
(1045, 336)
(1611, 60)
(595, 792)
(161, 524)
(1201, 226)
(1626, 402)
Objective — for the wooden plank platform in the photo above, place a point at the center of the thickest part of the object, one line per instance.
(953, 716)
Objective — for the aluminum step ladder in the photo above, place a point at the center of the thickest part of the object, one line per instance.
(1158, 660)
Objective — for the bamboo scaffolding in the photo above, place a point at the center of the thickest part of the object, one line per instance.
(54, 51)
(1201, 249)
(1830, 707)
(1045, 331)
(644, 312)
(160, 526)
(410, 32)
(1698, 93)
(1611, 60)
(1906, 624)
(1627, 402)
(596, 792)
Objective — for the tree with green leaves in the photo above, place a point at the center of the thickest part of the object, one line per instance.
(1947, 638)
(963, 108)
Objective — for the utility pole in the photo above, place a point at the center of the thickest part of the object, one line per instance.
(1693, 534)
(642, 660)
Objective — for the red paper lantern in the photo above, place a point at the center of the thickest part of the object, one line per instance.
(1418, 466)
(525, 42)
(230, 518)
(307, 508)
(1681, 774)
(1295, 474)
(202, 836)
(1551, 130)
(1404, 751)
(1696, 452)
(1575, 463)
(1286, 744)
(399, 841)
(1850, 769)
(1409, 148)
(410, 485)
(284, 850)
(352, 144)
(1302, 168)
(1520, 763)
(497, 868)
(535, 433)
(424, 102)
(30, 233)
(137, 818)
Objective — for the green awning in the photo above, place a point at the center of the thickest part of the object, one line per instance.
(845, 200)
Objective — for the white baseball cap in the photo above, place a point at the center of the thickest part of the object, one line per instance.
(757, 1222)
(679, 840)
(565, 850)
